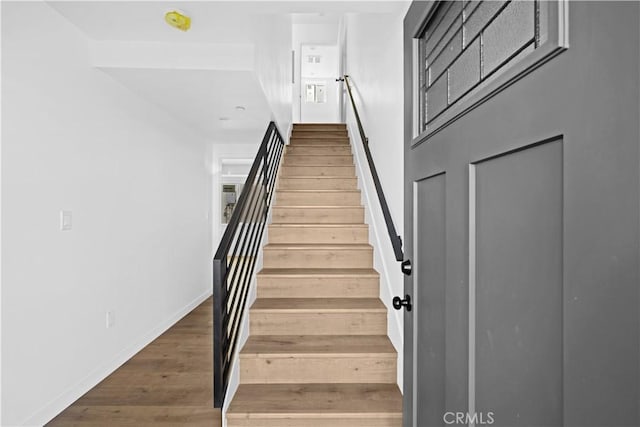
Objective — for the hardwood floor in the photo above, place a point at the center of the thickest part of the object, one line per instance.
(168, 383)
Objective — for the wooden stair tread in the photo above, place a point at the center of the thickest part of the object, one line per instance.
(317, 345)
(315, 191)
(325, 272)
(343, 146)
(318, 400)
(321, 129)
(314, 134)
(318, 155)
(319, 304)
(308, 224)
(303, 141)
(319, 207)
(313, 124)
(322, 144)
(318, 177)
(319, 246)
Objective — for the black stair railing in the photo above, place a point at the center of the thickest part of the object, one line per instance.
(235, 259)
(396, 240)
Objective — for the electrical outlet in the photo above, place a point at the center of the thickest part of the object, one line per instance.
(111, 319)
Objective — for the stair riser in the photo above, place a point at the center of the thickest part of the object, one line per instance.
(317, 184)
(319, 150)
(319, 139)
(314, 133)
(317, 323)
(294, 420)
(311, 142)
(321, 126)
(343, 198)
(308, 234)
(295, 369)
(282, 215)
(345, 171)
(294, 160)
(318, 258)
(317, 287)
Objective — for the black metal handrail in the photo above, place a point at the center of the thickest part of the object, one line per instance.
(234, 261)
(396, 240)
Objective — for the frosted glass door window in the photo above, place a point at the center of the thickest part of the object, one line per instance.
(466, 42)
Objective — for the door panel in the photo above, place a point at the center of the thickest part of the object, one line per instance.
(429, 295)
(518, 286)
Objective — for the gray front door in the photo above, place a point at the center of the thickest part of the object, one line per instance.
(522, 214)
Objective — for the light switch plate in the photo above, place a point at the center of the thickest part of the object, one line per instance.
(66, 220)
(111, 319)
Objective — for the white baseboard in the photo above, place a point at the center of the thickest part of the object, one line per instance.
(66, 398)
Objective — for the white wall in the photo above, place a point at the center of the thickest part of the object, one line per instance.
(328, 66)
(273, 65)
(137, 184)
(374, 62)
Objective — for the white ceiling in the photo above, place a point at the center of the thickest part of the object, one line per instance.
(212, 21)
(200, 97)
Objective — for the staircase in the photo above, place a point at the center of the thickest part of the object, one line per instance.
(318, 352)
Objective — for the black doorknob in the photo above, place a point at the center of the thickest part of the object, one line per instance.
(398, 303)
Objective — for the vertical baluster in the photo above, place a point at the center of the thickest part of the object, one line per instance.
(219, 303)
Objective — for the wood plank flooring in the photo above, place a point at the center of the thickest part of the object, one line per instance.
(168, 383)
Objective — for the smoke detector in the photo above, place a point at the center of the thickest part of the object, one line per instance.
(178, 19)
